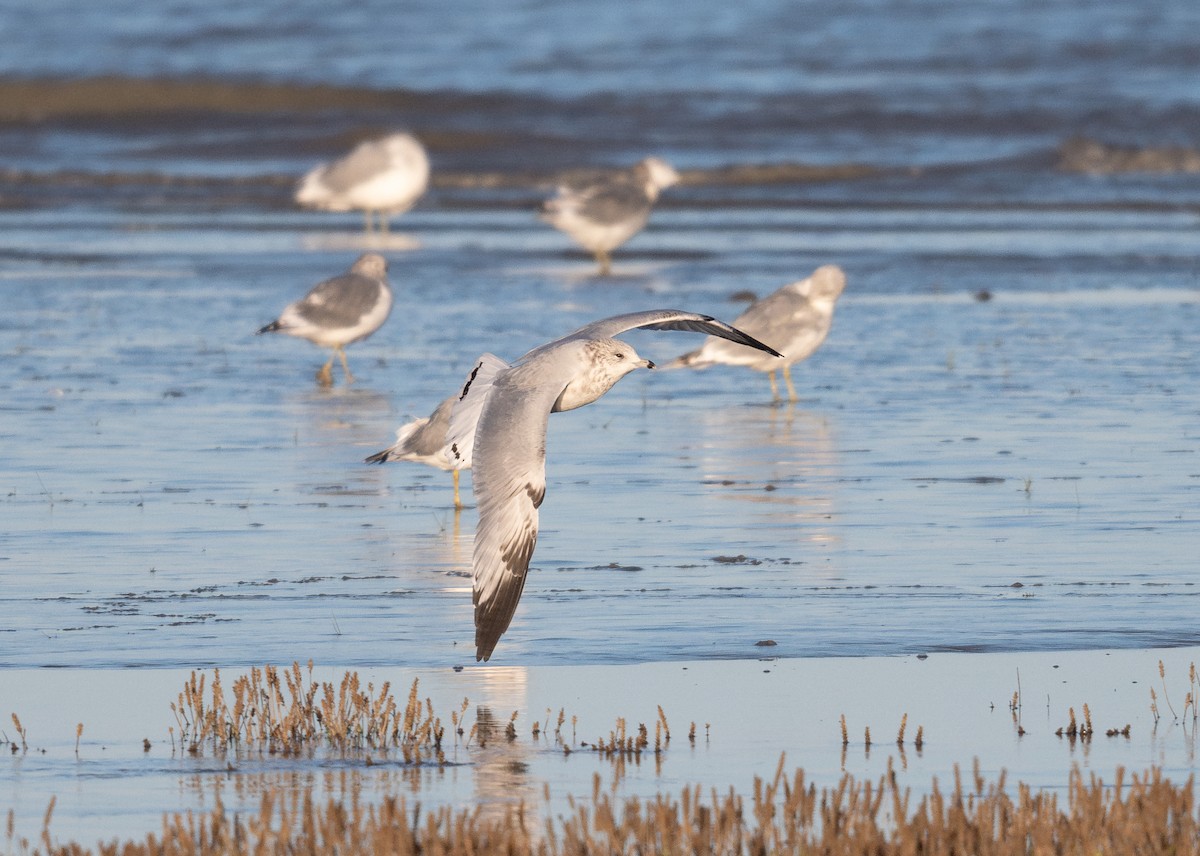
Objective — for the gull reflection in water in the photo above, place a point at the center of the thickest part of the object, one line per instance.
(502, 743)
(781, 458)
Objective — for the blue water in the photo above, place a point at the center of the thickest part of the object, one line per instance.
(892, 84)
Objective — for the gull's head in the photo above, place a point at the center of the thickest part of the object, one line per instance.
(370, 264)
(659, 174)
(828, 282)
(605, 361)
(620, 357)
(405, 151)
(824, 286)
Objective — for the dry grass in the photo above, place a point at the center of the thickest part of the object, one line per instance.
(1145, 815)
(1191, 697)
(287, 711)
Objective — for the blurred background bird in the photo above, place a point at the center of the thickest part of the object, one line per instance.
(339, 311)
(603, 212)
(387, 176)
(794, 320)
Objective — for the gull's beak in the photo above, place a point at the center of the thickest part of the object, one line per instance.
(648, 364)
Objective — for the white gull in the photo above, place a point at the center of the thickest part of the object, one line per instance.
(339, 311)
(386, 176)
(796, 319)
(606, 211)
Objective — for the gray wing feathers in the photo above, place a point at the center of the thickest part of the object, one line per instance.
(339, 302)
(509, 481)
(670, 319)
(367, 160)
(467, 408)
(615, 203)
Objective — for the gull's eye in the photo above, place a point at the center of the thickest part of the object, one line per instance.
(620, 356)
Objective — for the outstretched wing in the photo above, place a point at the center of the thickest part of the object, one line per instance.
(669, 319)
(509, 481)
(468, 405)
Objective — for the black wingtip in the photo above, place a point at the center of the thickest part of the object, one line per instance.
(269, 328)
(377, 458)
(754, 343)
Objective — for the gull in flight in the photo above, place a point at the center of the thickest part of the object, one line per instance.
(339, 311)
(424, 441)
(796, 318)
(498, 428)
(385, 176)
(603, 213)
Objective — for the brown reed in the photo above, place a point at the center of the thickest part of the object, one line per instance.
(1146, 814)
(1162, 676)
(20, 733)
(287, 711)
(1194, 692)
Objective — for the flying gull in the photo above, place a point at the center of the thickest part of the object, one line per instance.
(498, 428)
(339, 311)
(605, 212)
(796, 318)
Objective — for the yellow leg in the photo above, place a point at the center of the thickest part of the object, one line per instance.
(457, 500)
(774, 388)
(341, 352)
(787, 376)
(325, 373)
(605, 261)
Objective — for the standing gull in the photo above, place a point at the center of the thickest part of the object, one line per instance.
(796, 318)
(386, 175)
(424, 441)
(498, 428)
(604, 213)
(339, 311)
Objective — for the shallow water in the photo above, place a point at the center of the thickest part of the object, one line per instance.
(747, 715)
(1009, 476)
(1016, 474)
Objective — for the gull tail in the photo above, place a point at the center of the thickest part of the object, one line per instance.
(380, 457)
(397, 451)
